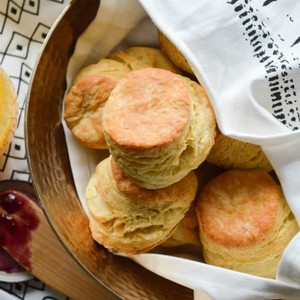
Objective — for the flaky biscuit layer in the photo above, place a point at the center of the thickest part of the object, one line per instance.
(173, 53)
(230, 153)
(159, 126)
(8, 110)
(84, 106)
(245, 222)
(129, 219)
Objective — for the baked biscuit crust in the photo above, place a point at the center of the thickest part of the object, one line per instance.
(83, 109)
(239, 209)
(184, 190)
(187, 232)
(128, 219)
(159, 126)
(173, 53)
(230, 153)
(8, 110)
(119, 63)
(108, 68)
(244, 221)
(81, 116)
(144, 57)
(152, 109)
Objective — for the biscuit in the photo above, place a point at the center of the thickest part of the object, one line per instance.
(173, 53)
(159, 126)
(230, 153)
(83, 109)
(126, 218)
(144, 57)
(119, 63)
(84, 102)
(187, 232)
(8, 110)
(245, 222)
(109, 68)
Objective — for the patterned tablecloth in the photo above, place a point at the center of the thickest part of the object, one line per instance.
(24, 24)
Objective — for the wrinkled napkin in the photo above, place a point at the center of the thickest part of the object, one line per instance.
(246, 55)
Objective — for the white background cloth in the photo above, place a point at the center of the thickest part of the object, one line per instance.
(249, 83)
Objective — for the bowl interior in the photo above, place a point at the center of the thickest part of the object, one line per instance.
(51, 173)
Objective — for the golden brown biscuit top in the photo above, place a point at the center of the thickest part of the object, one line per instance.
(87, 96)
(238, 208)
(8, 109)
(150, 57)
(184, 189)
(148, 108)
(84, 106)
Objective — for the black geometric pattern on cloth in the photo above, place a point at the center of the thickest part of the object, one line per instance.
(17, 49)
(20, 41)
(14, 11)
(33, 287)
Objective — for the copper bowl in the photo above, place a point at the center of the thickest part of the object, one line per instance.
(52, 177)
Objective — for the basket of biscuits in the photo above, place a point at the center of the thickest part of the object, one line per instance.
(151, 182)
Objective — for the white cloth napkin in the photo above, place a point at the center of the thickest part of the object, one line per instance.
(246, 54)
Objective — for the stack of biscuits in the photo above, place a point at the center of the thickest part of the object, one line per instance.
(145, 107)
(159, 127)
